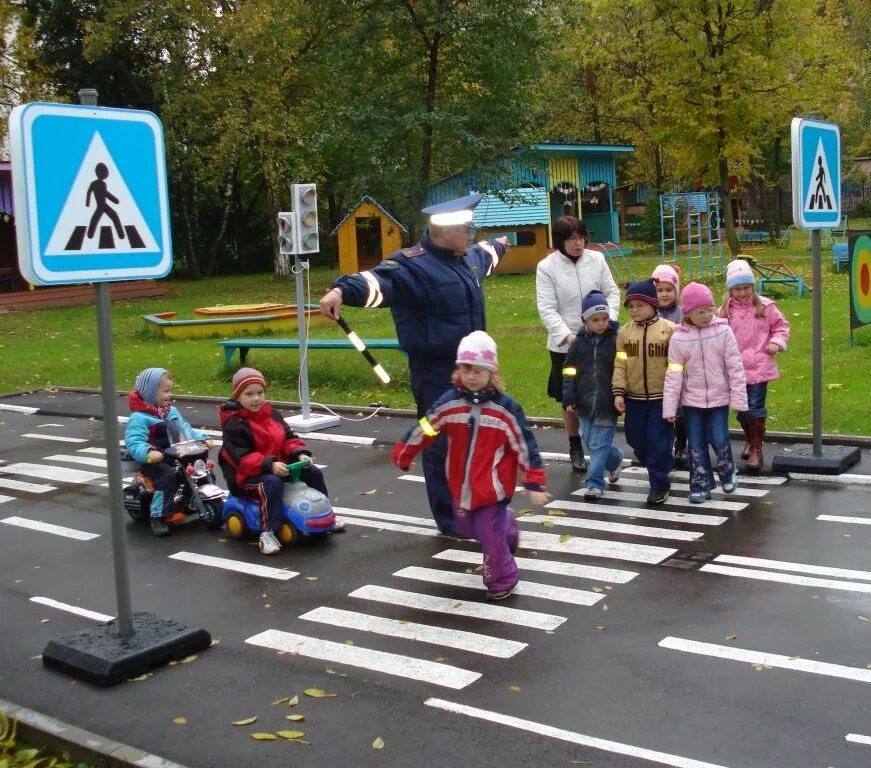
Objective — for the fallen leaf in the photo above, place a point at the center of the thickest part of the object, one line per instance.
(317, 693)
(547, 523)
(263, 736)
(556, 512)
(290, 734)
(605, 607)
(834, 386)
(180, 720)
(246, 721)
(600, 627)
(731, 637)
(295, 718)
(456, 605)
(515, 688)
(595, 589)
(333, 672)
(378, 743)
(565, 537)
(45, 621)
(523, 512)
(293, 701)
(351, 642)
(368, 493)
(280, 701)
(767, 503)
(311, 578)
(133, 679)
(862, 618)
(188, 659)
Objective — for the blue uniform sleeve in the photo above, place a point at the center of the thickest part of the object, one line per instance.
(136, 437)
(486, 255)
(371, 288)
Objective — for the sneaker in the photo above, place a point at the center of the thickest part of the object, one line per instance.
(730, 486)
(577, 459)
(657, 497)
(499, 594)
(613, 475)
(159, 526)
(591, 494)
(700, 497)
(269, 545)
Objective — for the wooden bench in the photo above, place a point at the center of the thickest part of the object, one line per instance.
(243, 345)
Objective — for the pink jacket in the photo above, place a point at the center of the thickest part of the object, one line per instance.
(704, 369)
(753, 334)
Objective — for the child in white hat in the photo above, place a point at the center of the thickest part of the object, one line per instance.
(476, 415)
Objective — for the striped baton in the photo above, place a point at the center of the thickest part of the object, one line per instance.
(361, 347)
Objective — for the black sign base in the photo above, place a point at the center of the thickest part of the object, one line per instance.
(835, 460)
(99, 656)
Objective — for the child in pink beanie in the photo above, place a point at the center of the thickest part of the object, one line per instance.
(667, 279)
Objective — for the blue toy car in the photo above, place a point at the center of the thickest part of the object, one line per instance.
(307, 512)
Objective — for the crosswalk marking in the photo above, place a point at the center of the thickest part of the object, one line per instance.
(662, 758)
(20, 485)
(391, 516)
(422, 479)
(767, 659)
(385, 526)
(678, 501)
(46, 472)
(781, 565)
(684, 476)
(47, 601)
(475, 610)
(89, 461)
(93, 449)
(473, 642)
(640, 512)
(786, 578)
(844, 519)
(26, 409)
(609, 575)
(389, 663)
(240, 566)
(858, 738)
(527, 588)
(622, 528)
(4, 499)
(639, 483)
(57, 530)
(58, 438)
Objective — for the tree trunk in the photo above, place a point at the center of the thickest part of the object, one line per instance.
(431, 91)
(220, 235)
(192, 263)
(726, 197)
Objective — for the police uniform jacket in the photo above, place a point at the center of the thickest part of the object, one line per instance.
(641, 360)
(435, 296)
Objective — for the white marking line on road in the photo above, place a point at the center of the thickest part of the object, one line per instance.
(563, 458)
(527, 588)
(609, 575)
(684, 476)
(90, 461)
(637, 482)
(18, 408)
(94, 449)
(768, 659)
(845, 479)
(678, 501)
(349, 439)
(522, 618)
(354, 656)
(780, 565)
(20, 485)
(71, 609)
(46, 472)
(392, 517)
(57, 530)
(843, 519)
(280, 574)
(383, 526)
(44, 426)
(616, 747)
(603, 508)
(786, 578)
(4, 499)
(858, 738)
(473, 642)
(422, 479)
(57, 438)
(649, 531)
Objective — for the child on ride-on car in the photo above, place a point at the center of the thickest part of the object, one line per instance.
(257, 445)
(154, 425)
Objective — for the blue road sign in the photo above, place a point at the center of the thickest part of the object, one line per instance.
(816, 174)
(90, 190)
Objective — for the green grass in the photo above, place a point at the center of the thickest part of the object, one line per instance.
(58, 347)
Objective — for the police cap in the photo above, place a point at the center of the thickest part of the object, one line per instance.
(460, 210)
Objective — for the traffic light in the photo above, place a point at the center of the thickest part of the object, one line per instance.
(305, 208)
(286, 229)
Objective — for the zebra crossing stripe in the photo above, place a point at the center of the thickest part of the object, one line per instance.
(649, 531)
(786, 578)
(71, 609)
(768, 659)
(639, 483)
(640, 512)
(858, 738)
(684, 476)
(354, 656)
(20, 485)
(4, 499)
(473, 642)
(614, 550)
(89, 461)
(58, 438)
(384, 526)
(843, 519)
(678, 501)
(390, 516)
(527, 588)
(57, 530)
(26, 409)
(47, 472)
(100, 451)
(662, 758)
(781, 565)
(240, 566)
(609, 575)
(475, 610)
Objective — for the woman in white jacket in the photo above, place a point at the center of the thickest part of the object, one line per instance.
(562, 279)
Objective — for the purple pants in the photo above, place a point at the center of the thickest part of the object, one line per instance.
(495, 528)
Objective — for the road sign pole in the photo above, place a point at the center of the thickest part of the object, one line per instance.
(817, 331)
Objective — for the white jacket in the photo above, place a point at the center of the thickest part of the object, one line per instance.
(560, 286)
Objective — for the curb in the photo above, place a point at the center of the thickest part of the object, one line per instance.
(43, 731)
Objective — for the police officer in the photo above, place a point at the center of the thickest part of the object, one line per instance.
(434, 291)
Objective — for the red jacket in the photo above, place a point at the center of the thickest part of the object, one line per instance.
(488, 442)
(253, 441)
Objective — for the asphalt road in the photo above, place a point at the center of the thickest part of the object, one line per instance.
(684, 636)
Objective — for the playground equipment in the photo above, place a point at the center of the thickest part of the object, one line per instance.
(689, 223)
(612, 252)
(217, 321)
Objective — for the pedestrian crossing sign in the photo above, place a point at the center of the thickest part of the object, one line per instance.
(91, 194)
(816, 174)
